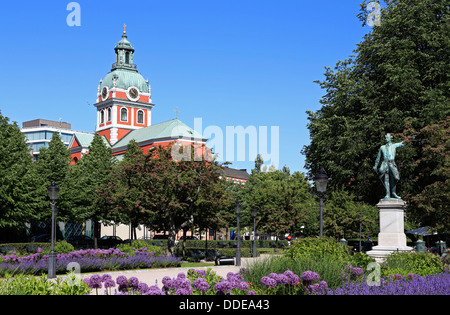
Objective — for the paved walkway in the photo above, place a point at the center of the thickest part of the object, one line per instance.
(154, 276)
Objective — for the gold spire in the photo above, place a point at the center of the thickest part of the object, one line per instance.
(124, 28)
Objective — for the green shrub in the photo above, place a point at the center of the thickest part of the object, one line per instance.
(405, 263)
(62, 247)
(361, 260)
(26, 285)
(318, 248)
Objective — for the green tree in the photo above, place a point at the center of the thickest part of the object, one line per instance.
(84, 180)
(164, 193)
(428, 203)
(342, 215)
(282, 200)
(399, 74)
(17, 181)
(52, 165)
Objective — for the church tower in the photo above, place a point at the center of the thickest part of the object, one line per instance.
(123, 97)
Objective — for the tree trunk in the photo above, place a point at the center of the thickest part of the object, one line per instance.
(171, 238)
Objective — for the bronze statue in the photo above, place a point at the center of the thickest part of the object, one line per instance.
(388, 168)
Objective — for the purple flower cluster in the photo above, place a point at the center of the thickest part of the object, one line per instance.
(412, 285)
(178, 286)
(287, 278)
(90, 260)
(351, 273)
(130, 286)
(233, 284)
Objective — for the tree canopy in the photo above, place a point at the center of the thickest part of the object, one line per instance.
(397, 77)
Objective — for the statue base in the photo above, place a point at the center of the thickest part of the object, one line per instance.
(392, 237)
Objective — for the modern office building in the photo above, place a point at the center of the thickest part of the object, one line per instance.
(39, 133)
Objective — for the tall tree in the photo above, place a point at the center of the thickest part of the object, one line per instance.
(164, 193)
(52, 165)
(399, 73)
(17, 181)
(430, 197)
(84, 179)
(282, 200)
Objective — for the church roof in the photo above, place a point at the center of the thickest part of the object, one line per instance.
(168, 130)
(85, 139)
(235, 173)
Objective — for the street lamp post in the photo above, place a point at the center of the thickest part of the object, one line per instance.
(53, 194)
(360, 223)
(254, 213)
(238, 249)
(321, 181)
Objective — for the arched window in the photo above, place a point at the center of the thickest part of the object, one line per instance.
(102, 117)
(124, 114)
(127, 57)
(108, 115)
(140, 117)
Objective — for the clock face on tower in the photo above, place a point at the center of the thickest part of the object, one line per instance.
(133, 94)
(104, 93)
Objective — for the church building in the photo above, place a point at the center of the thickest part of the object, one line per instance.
(124, 112)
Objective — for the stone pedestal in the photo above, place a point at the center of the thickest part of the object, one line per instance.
(392, 237)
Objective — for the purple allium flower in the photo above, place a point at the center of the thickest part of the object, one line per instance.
(357, 271)
(201, 284)
(181, 275)
(121, 280)
(243, 286)
(183, 291)
(143, 288)
(398, 276)
(282, 279)
(133, 282)
(269, 282)
(310, 276)
(251, 292)
(109, 283)
(272, 275)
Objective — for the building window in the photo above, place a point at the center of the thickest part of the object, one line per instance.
(108, 116)
(124, 114)
(140, 117)
(102, 117)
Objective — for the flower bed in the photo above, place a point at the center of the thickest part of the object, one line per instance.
(201, 282)
(89, 260)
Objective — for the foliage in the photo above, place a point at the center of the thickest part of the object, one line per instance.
(328, 268)
(361, 260)
(399, 73)
(318, 248)
(62, 247)
(412, 263)
(25, 285)
(341, 216)
(281, 198)
(79, 196)
(164, 193)
(17, 180)
(428, 201)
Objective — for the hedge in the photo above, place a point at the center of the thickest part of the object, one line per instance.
(24, 249)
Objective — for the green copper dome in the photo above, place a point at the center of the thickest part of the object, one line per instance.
(124, 71)
(125, 79)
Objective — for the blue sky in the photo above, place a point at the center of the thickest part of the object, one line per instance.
(230, 63)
